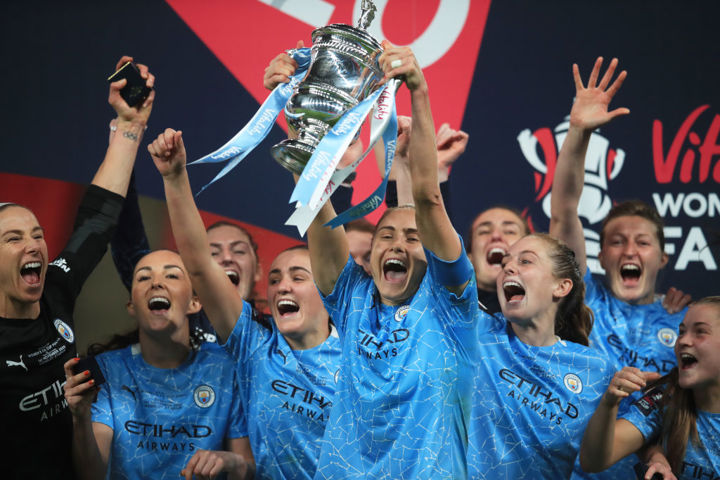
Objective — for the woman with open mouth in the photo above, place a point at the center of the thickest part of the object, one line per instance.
(287, 365)
(538, 382)
(407, 331)
(632, 326)
(680, 411)
(166, 409)
(37, 300)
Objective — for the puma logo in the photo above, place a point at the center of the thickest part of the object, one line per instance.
(10, 363)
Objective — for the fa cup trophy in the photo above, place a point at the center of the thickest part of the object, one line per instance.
(343, 71)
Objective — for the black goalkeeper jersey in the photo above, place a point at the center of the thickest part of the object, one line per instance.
(36, 433)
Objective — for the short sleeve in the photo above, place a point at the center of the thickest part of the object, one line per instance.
(352, 282)
(237, 426)
(101, 408)
(462, 310)
(245, 337)
(646, 414)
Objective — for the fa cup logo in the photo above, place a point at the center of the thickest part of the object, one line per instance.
(602, 164)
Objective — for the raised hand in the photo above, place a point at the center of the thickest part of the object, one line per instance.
(450, 145)
(590, 109)
(403, 137)
(80, 390)
(675, 300)
(401, 62)
(168, 153)
(140, 113)
(626, 382)
(280, 70)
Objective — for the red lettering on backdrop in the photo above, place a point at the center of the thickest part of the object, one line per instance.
(665, 166)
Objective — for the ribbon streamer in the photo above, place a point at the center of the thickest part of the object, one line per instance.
(255, 131)
(384, 123)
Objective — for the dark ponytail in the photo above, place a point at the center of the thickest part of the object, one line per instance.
(574, 319)
(117, 342)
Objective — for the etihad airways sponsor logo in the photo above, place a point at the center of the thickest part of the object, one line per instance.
(170, 431)
(300, 394)
(536, 397)
(302, 401)
(633, 358)
(49, 401)
(375, 349)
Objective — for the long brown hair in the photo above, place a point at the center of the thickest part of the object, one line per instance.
(573, 319)
(680, 416)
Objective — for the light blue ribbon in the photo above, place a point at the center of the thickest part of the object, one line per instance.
(255, 131)
(327, 154)
(381, 120)
(376, 198)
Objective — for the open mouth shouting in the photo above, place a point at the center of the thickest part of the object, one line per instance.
(687, 361)
(513, 291)
(495, 256)
(630, 274)
(286, 307)
(395, 270)
(159, 305)
(30, 273)
(233, 276)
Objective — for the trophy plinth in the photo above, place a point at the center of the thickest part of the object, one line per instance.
(343, 71)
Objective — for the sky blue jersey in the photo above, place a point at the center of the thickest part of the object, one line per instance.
(286, 393)
(641, 336)
(702, 461)
(161, 417)
(404, 394)
(531, 404)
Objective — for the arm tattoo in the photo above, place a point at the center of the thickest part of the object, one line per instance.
(132, 136)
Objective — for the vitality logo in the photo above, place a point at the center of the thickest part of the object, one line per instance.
(602, 165)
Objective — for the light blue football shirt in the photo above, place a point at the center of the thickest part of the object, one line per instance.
(701, 461)
(287, 395)
(531, 404)
(161, 417)
(641, 336)
(403, 400)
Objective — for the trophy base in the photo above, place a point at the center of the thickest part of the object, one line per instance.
(292, 155)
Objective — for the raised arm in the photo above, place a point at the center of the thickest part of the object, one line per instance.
(589, 112)
(436, 232)
(450, 145)
(606, 439)
(329, 250)
(217, 294)
(114, 173)
(129, 242)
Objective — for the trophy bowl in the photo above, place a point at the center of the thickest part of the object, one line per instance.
(343, 71)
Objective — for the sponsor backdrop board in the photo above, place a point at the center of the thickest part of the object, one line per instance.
(500, 70)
